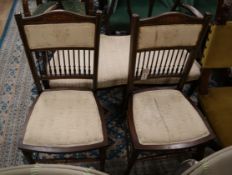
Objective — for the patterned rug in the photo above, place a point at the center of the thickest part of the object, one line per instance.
(17, 93)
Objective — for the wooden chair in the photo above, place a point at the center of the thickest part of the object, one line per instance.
(216, 102)
(77, 6)
(164, 120)
(67, 120)
(49, 169)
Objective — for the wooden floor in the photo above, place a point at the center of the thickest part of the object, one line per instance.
(5, 6)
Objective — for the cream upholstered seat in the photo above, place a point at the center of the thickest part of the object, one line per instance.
(113, 66)
(166, 117)
(64, 118)
(49, 169)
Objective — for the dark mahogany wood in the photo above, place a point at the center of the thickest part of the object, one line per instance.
(137, 63)
(40, 65)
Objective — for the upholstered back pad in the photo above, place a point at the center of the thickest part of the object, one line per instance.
(168, 35)
(218, 52)
(60, 35)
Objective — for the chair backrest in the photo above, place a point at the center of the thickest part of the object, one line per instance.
(164, 46)
(217, 163)
(61, 45)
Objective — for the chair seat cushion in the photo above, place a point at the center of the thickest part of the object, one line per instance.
(166, 117)
(217, 105)
(113, 66)
(45, 7)
(64, 118)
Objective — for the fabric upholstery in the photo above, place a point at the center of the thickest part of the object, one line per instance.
(54, 35)
(165, 36)
(215, 164)
(64, 118)
(217, 105)
(218, 47)
(117, 55)
(49, 169)
(166, 117)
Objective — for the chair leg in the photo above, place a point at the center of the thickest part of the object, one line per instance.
(28, 156)
(131, 161)
(102, 152)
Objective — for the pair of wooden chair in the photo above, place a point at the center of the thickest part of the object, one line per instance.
(61, 46)
(63, 120)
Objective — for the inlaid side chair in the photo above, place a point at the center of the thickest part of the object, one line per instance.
(67, 120)
(163, 120)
